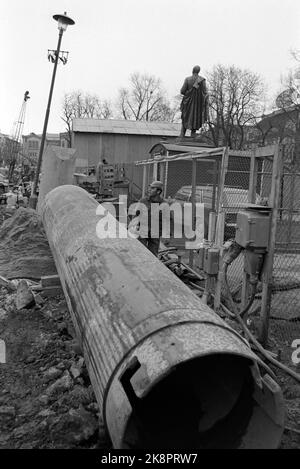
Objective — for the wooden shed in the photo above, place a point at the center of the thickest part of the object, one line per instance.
(118, 141)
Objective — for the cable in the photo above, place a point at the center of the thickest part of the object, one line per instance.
(254, 288)
(251, 337)
(238, 316)
(192, 271)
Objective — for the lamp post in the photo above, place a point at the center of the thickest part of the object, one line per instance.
(63, 22)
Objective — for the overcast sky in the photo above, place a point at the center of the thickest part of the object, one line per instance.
(112, 39)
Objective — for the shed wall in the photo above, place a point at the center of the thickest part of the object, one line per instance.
(115, 148)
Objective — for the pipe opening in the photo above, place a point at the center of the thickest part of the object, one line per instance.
(203, 403)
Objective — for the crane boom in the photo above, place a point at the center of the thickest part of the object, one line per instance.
(15, 141)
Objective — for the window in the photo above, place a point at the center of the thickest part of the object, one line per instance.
(33, 144)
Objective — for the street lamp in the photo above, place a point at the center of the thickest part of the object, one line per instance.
(63, 22)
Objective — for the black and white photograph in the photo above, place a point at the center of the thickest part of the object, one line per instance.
(149, 228)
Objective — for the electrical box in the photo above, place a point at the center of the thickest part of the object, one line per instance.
(252, 229)
(211, 261)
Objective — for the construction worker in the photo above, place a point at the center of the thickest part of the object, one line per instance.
(154, 197)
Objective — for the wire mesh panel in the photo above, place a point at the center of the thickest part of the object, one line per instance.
(134, 175)
(285, 307)
(240, 178)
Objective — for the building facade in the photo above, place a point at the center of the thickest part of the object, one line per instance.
(32, 143)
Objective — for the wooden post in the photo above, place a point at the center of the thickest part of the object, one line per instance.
(212, 214)
(219, 242)
(219, 234)
(166, 179)
(162, 174)
(291, 205)
(252, 200)
(144, 180)
(253, 178)
(268, 265)
(215, 183)
(220, 218)
(193, 200)
(154, 171)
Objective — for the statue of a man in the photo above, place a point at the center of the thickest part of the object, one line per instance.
(194, 102)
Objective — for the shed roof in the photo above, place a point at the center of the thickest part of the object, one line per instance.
(113, 126)
(179, 148)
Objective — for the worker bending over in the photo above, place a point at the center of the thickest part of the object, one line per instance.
(150, 235)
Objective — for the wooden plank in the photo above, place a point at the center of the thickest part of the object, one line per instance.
(219, 234)
(50, 281)
(144, 187)
(166, 179)
(261, 152)
(162, 173)
(154, 175)
(220, 218)
(268, 265)
(245, 290)
(50, 292)
(253, 178)
(252, 200)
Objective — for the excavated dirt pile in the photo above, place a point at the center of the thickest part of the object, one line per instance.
(24, 249)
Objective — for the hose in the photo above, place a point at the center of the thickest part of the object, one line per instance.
(254, 289)
(192, 271)
(238, 316)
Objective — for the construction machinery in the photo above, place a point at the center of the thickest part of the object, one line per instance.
(15, 141)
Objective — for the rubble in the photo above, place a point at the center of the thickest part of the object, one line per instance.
(3, 314)
(51, 374)
(24, 296)
(77, 368)
(44, 399)
(24, 249)
(77, 426)
(61, 385)
(42, 404)
(7, 284)
(7, 411)
(46, 413)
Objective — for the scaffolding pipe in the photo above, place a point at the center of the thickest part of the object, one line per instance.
(167, 372)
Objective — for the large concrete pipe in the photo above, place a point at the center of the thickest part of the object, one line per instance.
(166, 370)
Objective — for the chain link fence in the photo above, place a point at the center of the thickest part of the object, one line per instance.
(177, 177)
(285, 306)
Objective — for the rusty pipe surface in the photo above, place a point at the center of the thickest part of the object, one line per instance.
(166, 370)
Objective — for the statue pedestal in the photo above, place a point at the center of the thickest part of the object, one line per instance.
(185, 140)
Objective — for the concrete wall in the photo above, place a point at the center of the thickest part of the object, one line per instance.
(57, 170)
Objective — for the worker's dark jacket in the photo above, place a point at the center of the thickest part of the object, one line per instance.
(153, 229)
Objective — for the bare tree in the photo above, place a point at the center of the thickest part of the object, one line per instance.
(83, 105)
(145, 99)
(235, 104)
(288, 104)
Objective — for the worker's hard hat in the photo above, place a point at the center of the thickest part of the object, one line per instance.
(157, 184)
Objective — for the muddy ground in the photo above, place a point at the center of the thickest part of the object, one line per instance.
(46, 398)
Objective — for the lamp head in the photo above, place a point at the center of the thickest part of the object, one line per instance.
(63, 21)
